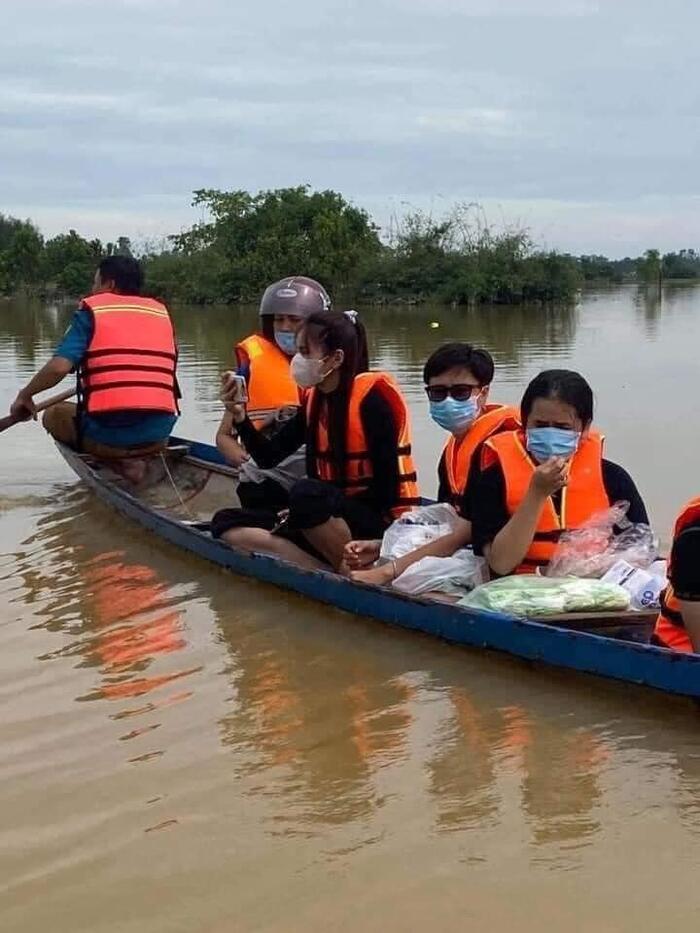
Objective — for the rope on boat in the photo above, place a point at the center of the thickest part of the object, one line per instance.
(172, 483)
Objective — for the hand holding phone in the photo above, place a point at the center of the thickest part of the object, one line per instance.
(234, 395)
(234, 388)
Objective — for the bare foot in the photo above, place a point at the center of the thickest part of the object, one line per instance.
(379, 576)
(132, 469)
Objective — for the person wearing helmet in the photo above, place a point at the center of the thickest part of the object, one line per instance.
(263, 360)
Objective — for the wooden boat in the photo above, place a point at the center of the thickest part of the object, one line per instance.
(184, 487)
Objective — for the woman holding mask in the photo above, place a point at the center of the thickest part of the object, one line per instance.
(355, 426)
(546, 479)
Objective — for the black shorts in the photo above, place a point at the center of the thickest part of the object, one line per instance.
(229, 519)
(269, 495)
(311, 503)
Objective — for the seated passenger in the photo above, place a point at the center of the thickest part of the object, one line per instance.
(358, 452)
(457, 380)
(123, 348)
(263, 360)
(545, 479)
(678, 625)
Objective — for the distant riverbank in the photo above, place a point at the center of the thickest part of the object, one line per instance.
(249, 240)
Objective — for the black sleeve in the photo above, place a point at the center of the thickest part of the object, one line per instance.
(382, 435)
(443, 486)
(488, 501)
(269, 451)
(620, 485)
(489, 512)
(466, 505)
(685, 564)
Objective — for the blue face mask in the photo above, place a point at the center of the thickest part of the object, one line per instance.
(455, 417)
(544, 443)
(286, 340)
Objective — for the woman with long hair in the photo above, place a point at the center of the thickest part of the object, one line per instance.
(355, 426)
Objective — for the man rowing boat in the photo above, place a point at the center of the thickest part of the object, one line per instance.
(122, 346)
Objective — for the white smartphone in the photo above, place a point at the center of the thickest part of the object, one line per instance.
(236, 385)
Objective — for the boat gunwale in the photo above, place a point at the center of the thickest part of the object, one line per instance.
(662, 669)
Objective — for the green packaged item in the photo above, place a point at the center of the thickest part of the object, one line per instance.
(529, 595)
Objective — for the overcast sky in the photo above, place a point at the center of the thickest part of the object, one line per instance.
(577, 118)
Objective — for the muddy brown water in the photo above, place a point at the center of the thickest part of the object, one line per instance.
(186, 751)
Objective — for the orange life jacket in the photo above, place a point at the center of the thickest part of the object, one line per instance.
(357, 472)
(670, 629)
(582, 497)
(270, 383)
(458, 452)
(130, 360)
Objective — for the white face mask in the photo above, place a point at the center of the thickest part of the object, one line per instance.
(307, 372)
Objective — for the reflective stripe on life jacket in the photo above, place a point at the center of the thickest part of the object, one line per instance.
(582, 497)
(130, 360)
(358, 468)
(670, 629)
(270, 383)
(459, 451)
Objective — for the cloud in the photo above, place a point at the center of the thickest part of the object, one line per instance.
(111, 112)
(502, 8)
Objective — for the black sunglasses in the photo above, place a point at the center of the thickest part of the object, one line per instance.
(459, 392)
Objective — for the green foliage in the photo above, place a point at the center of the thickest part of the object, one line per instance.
(248, 240)
(64, 264)
(649, 266)
(21, 247)
(682, 265)
(550, 276)
(463, 260)
(195, 277)
(70, 262)
(598, 269)
(251, 240)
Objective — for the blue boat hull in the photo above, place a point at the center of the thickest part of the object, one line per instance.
(642, 664)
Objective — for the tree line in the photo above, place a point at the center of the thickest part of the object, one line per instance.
(651, 267)
(249, 240)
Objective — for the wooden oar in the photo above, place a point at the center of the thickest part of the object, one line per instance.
(9, 420)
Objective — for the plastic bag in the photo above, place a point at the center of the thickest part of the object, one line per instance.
(416, 528)
(528, 595)
(456, 574)
(592, 549)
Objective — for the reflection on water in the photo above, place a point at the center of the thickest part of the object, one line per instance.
(183, 745)
(557, 769)
(119, 616)
(560, 786)
(462, 767)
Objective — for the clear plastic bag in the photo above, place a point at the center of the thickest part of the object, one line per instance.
(528, 595)
(416, 528)
(592, 549)
(456, 574)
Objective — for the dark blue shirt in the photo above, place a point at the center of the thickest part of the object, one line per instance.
(120, 428)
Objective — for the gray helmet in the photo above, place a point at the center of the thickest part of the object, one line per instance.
(295, 295)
